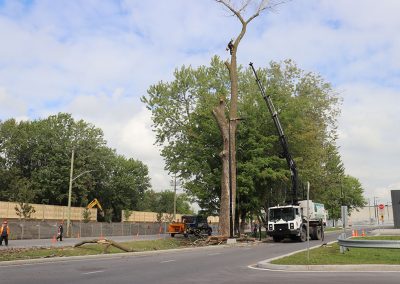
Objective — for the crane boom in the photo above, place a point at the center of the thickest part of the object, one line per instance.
(282, 138)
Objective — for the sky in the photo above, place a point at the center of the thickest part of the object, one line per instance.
(95, 59)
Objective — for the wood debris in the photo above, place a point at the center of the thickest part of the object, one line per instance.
(106, 243)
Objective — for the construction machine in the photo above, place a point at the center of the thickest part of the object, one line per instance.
(190, 225)
(292, 220)
(94, 203)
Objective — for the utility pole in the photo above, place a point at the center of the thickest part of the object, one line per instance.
(174, 184)
(70, 192)
(369, 210)
(71, 179)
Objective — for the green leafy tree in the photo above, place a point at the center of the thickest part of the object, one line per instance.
(308, 108)
(23, 196)
(40, 153)
(86, 215)
(127, 214)
(163, 202)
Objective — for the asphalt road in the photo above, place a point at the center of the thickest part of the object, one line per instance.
(205, 265)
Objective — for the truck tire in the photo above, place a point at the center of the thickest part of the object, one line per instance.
(303, 235)
(209, 231)
(185, 235)
(318, 235)
(172, 235)
(277, 239)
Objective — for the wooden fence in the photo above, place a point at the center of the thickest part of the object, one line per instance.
(142, 216)
(46, 212)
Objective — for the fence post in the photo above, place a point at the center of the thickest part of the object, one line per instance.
(342, 248)
(22, 231)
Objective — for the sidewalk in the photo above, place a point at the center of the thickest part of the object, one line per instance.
(45, 243)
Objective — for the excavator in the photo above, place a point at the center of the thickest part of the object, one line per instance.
(93, 203)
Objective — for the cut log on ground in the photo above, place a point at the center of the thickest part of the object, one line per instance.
(105, 242)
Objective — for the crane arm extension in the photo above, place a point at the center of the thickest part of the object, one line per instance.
(282, 138)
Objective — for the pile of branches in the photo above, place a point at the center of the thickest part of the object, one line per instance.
(217, 240)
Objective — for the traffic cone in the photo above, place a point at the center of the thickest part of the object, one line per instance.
(54, 240)
(356, 233)
(363, 233)
(101, 237)
(353, 233)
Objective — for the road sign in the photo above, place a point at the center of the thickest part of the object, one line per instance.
(381, 206)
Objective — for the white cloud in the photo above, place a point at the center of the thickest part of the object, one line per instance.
(12, 107)
(369, 137)
(95, 59)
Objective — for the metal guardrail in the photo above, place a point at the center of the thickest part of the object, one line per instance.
(347, 243)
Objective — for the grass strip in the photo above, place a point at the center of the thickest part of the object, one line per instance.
(330, 255)
(91, 249)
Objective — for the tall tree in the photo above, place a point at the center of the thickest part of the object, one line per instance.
(228, 123)
(37, 154)
(308, 108)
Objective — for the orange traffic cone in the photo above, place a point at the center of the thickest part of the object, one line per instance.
(101, 237)
(356, 233)
(363, 233)
(54, 240)
(353, 233)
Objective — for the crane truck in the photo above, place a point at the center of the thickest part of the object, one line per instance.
(292, 220)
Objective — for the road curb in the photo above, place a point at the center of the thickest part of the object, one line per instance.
(266, 264)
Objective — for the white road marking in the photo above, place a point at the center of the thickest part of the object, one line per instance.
(166, 261)
(93, 272)
(211, 254)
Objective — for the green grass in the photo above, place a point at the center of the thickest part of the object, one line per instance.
(330, 254)
(91, 249)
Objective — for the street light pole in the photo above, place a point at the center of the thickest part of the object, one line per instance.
(70, 192)
(174, 182)
(71, 179)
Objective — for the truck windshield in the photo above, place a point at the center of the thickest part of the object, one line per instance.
(286, 214)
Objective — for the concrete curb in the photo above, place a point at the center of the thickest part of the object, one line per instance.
(266, 264)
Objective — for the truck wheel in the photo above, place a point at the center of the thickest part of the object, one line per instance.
(314, 233)
(172, 235)
(318, 235)
(303, 235)
(185, 235)
(277, 239)
(209, 232)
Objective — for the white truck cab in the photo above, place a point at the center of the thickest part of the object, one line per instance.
(291, 221)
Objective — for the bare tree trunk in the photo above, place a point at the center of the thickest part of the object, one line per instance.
(219, 114)
(228, 126)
